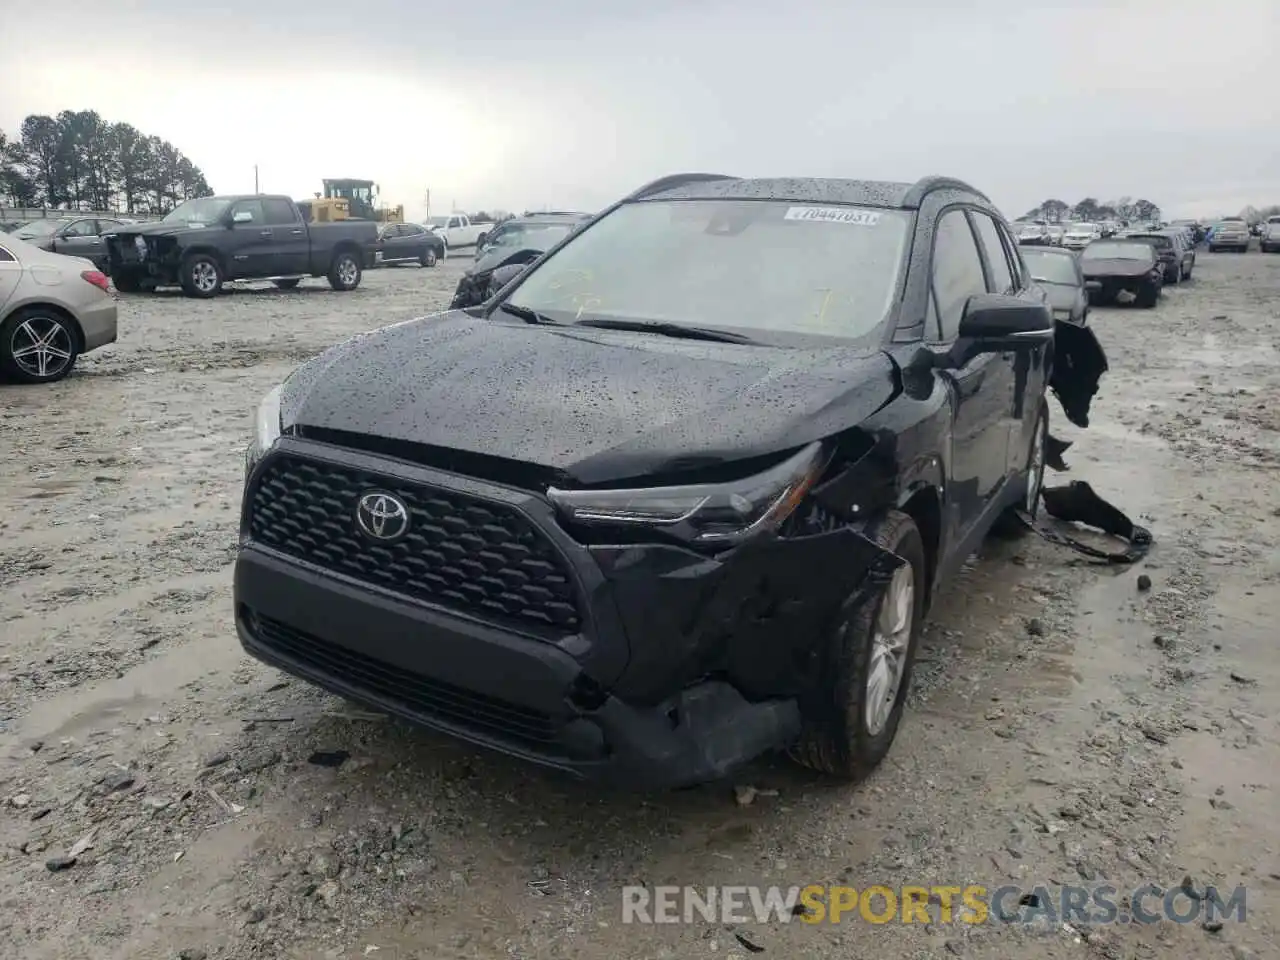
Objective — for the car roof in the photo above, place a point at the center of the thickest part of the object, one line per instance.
(867, 193)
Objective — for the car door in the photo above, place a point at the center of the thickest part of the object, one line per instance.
(249, 245)
(393, 244)
(981, 389)
(290, 240)
(1016, 371)
(79, 238)
(414, 239)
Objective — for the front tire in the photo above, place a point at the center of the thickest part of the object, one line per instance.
(428, 258)
(38, 345)
(854, 717)
(345, 272)
(202, 276)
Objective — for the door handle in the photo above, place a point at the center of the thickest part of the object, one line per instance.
(95, 240)
(264, 233)
(296, 233)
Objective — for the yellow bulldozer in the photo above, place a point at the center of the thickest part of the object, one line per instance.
(349, 199)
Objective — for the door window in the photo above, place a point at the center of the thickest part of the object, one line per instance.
(997, 261)
(455, 221)
(81, 228)
(106, 226)
(411, 230)
(957, 271)
(278, 211)
(6, 256)
(253, 207)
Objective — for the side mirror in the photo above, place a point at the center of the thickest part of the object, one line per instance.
(993, 323)
(242, 216)
(1093, 286)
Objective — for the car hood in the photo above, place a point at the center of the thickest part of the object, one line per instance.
(155, 229)
(1116, 268)
(595, 406)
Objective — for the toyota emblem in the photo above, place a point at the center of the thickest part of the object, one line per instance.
(382, 516)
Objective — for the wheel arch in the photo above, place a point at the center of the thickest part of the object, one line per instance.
(922, 502)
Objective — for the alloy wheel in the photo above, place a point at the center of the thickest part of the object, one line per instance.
(41, 347)
(889, 643)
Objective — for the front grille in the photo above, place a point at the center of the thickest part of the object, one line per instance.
(460, 552)
(415, 693)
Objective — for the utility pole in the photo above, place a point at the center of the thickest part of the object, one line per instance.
(255, 178)
(426, 204)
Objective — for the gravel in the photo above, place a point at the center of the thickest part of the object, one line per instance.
(165, 796)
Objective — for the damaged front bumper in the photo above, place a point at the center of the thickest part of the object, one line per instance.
(677, 668)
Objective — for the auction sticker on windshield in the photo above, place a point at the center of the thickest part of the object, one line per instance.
(862, 218)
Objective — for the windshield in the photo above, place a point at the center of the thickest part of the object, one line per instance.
(1105, 250)
(1230, 225)
(746, 264)
(1082, 228)
(40, 228)
(437, 221)
(1051, 267)
(204, 210)
(1032, 228)
(529, 236)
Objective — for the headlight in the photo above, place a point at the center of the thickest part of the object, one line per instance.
(266, 428)
(716, 513)
(1062, 315)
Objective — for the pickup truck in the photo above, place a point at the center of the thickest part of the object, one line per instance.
(458, 231)
(206, 242)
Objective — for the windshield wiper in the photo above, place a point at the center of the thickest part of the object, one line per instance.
(527, 315)
(679, 331)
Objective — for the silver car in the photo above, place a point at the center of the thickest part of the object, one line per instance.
(52, 309)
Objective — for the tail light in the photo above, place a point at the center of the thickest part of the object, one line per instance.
(97, 278)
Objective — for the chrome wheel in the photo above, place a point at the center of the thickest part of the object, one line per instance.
(429, 258)
(41, 347)
(889, 644)
(1035, 469)
(204, 276)
(347, 271)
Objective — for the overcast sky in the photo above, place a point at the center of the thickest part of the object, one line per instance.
(570, 103)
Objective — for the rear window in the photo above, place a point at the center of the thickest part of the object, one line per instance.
(1155, 239)
(1107, 250)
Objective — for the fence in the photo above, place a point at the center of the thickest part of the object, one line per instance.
(23, 214)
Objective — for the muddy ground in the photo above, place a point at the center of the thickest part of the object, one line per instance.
(1065, 727)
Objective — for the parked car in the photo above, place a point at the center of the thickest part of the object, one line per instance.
(1229, 235)
(408, 243)
(1171, 247)
(1055, 232)
(9, 226)
(459, 231)
(74, 236)
(1080, 235)
(1059, 273)
(1033, 234)
(53, 308)
(582, 526)
(1122, 269)
(1270, 242)
(508, 250)
(203, 243)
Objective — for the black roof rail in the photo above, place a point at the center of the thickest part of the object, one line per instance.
(926, 185)
(675, 180)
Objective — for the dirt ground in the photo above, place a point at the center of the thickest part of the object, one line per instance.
(1066, 726)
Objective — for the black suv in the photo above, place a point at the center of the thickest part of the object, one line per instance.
(680, 496)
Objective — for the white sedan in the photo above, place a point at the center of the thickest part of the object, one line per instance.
(52, 309)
